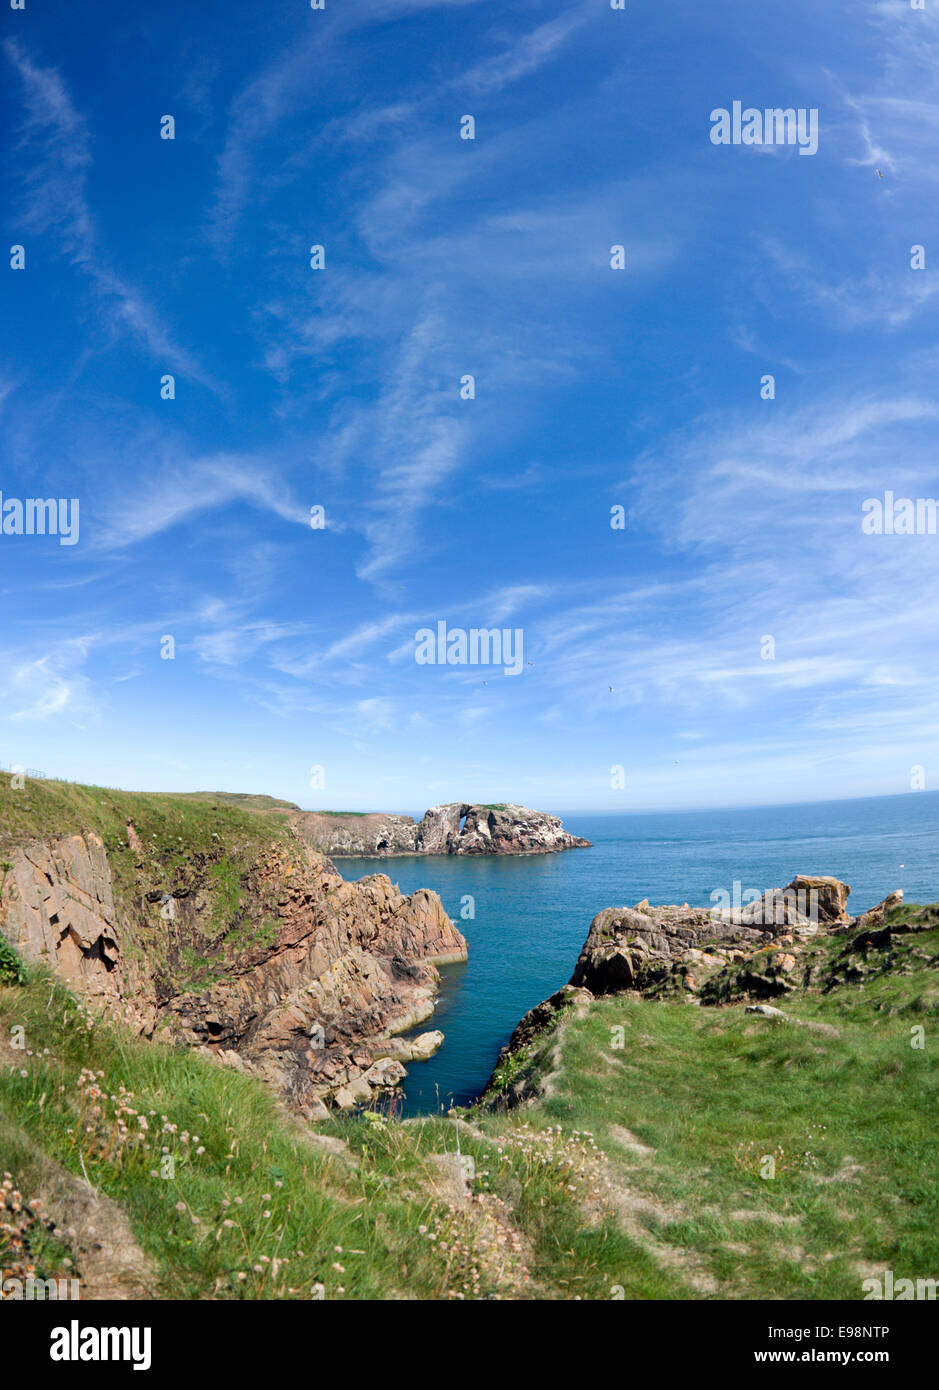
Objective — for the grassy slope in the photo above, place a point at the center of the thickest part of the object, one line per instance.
(191, 845)
(371, 1208)
(173, 829)
(837, 1095)
(566, 1203)
(638, 1168)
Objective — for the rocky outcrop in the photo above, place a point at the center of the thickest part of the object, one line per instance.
(830, 894)
(646, 947)
(746, 951)
(59, 909)
(295, 974)
(512, 830)
(455, 828)
(439, 829)
(365, 836)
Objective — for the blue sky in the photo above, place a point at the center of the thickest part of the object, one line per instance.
(340, 388)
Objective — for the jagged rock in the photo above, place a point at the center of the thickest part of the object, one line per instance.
(512, 830)
(439, 829)
(58, 909)
(831, 893)
(637, 947)
(663, 948)
(875, 916)
(386, 1072)
(337, 963)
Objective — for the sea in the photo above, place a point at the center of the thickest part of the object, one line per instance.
(525, 918)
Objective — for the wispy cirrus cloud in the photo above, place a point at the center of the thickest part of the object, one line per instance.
(56, 146)
(178, 491)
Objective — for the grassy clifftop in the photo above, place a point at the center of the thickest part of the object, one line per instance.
(170, 827)
(785, 1154)
(641, 1169)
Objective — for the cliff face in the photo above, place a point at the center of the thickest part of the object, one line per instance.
(363, 836)
(256, 950)
(455, 828)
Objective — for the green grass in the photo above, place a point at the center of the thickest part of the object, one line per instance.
(174, 831)
(849, 1120)
(12, 969)
(249, 801)
(374, 1213)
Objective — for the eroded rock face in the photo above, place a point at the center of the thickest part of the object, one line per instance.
(354, 963)
(440, 829)
(59, 909)
(364, 836)
(512, 830)
(875, 916)
(830, 893)
(455, 828)
(310, 1002)
(644, 947)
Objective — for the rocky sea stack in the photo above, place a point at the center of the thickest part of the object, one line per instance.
(455, 828)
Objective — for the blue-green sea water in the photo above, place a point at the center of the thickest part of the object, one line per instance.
(532, 913)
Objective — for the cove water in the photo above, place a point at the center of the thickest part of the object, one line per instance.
(532, 912)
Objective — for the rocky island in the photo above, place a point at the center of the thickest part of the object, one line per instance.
(455, 828)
